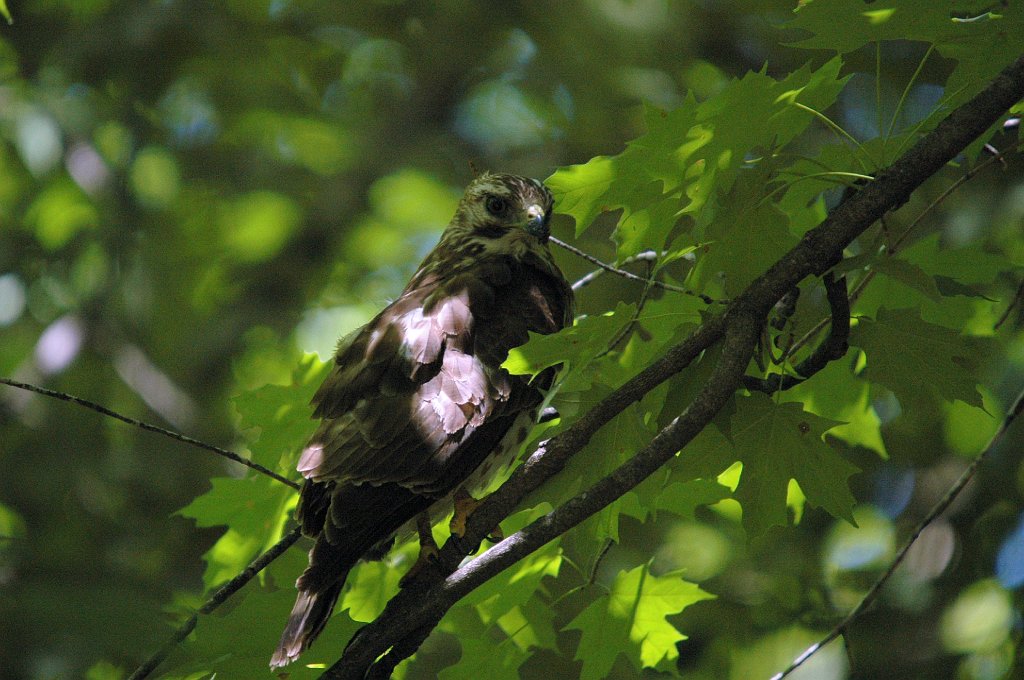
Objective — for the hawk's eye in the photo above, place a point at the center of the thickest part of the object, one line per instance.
(496, 205)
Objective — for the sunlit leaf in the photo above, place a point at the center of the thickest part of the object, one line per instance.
(630, 619)
(776, 443)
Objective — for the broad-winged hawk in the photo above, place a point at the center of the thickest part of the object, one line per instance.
(417, 408)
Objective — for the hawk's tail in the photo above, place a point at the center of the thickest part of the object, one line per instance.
(308, 618)
(351, 523)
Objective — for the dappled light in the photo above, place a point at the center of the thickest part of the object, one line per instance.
(198, 200)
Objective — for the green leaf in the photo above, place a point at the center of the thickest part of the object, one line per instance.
(980, 48)
(683, 498)
(909, 275)
(952, 288)
(246, 505)
(690, 154)
(775, 443)
(506, 616)
(6, 13)
(741, 220)
(835, 392)
(631, 619)
(611, 446)
(371, 584)
(518, 585)
(236, 641)
(575, 346)
(909, 355)
(277, 417)
(485, 658)
(254, 508)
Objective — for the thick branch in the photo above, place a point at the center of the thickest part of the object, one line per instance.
(230, 455)
(423, 605)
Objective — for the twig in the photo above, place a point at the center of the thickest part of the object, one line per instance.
(939, 508)
(230, 455)
(216, 600)
(1017, 297)
(624, 274)
(624, 332)
(587, 279)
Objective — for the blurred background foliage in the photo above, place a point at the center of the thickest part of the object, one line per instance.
(192, 194)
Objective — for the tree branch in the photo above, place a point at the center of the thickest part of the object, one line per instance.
(230, 455)
(216, 600)
(892, 248)
(648, 256)
(869, 598)
(833, 347)
(587, 279)
(423, 604)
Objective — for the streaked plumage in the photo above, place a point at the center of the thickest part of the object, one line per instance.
(417, 404)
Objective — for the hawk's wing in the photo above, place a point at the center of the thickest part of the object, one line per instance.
(410, 390)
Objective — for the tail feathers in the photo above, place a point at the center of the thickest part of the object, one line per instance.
(307, 620)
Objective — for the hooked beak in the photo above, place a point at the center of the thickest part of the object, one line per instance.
(537, 222)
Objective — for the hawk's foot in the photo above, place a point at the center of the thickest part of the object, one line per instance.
(466, 505)
(429, 551)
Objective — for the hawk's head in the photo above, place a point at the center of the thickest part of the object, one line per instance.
(498, 216)
(499, 209)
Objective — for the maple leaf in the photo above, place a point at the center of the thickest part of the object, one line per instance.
(634, 609)
(776, 443)
(907, 355)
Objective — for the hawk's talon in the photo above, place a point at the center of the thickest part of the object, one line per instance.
(429, 552)
(464, 507)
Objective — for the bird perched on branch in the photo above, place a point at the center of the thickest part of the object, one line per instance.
(417, 410)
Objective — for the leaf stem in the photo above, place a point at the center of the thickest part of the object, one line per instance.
(906, 91)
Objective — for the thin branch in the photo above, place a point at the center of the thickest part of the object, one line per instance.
(869, 598)
(587, 279)
(869, 276)
(216, 600)
(625, 274)
(968, 175)
(625, 331)
(1017, 297)
(433, 593)
(833, 347)
(230, 455)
